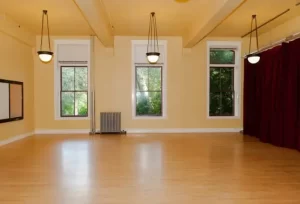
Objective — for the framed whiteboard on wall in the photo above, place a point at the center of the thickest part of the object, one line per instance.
(11, 101)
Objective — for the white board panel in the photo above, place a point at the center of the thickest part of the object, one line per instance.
(4, 101)
(67, 52)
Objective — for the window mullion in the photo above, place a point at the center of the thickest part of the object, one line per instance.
(74, 89)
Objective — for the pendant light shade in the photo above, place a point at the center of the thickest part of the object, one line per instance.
(153, 57)
(152, 48)
(45, 56)
(253, 58)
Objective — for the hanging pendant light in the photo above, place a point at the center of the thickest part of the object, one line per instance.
(253, 58)
(152, 48)
(45, 56)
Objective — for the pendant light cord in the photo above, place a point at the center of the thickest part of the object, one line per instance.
(45, 12)
(256, 33)
(149, 33)
(42, 30)
(254, 20)
(155, 34)
(152, 34)
(48, 33)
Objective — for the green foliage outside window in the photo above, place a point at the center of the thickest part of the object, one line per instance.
(219, 56)
(148, 91)
(222, 83)
(74, 91)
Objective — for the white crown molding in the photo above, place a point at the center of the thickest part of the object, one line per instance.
(15, 138)
(61, 131)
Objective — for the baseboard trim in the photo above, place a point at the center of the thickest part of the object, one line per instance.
(61, 131)
(15, 138)
(185, 130)
(134, 131)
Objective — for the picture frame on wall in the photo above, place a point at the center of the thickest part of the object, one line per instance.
(11, 101)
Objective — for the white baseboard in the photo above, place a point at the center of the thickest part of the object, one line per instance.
(185, 130)
(15, 138)
(132, 131)
(61, 131)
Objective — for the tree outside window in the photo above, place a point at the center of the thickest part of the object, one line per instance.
(221, 78)
(148, 91)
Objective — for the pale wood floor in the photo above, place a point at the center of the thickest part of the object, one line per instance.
(151, 169)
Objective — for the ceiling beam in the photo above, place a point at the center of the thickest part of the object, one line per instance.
(198, 33)
(14, 30)
(95, 14)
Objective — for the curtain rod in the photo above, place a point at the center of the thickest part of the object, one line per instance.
(277, 43)
(267, 22)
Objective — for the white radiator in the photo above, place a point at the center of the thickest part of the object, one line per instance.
(110, 122)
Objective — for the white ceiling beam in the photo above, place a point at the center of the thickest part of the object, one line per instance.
(199, 32)
(11, 28)
(95, 14)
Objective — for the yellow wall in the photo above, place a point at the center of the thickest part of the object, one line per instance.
(284, 30)
(44, 96)
(186, 84)
(17, 64)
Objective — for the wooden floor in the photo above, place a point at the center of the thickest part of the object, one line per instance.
(150, 169)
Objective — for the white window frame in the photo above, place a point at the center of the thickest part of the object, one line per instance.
(57, 73)
(164, 80)
(236, 45)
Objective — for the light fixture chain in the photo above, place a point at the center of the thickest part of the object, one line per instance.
(152, 47)
(48, 32)
(149, 33)
(250, 36)
(42, 31)
(156, 36)
(256, 33)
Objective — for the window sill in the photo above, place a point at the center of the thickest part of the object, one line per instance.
(72, 118)
(150, 117)
(223, 117)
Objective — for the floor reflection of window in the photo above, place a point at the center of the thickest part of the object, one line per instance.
(75, 164)
(149, 161)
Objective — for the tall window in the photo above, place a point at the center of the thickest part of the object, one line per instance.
(74, 91)
(149, 82)
(223, 81)
(72, 79)
(148, 91)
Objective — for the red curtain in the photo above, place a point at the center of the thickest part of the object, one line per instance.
(272, 96)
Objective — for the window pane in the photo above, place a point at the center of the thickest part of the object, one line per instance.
(215, 104)
(67, 103)
(81, 104)
(148, 103)
(219, 56)
(154, 79)
(227, 76)
(142, 79)
(228, 104)
(81, 78)
(155, 102)
(67, 78)
(214, 79)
